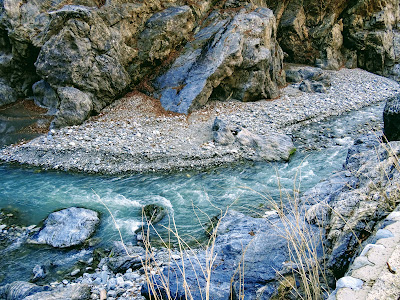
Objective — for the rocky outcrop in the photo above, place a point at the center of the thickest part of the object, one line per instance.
(391, 119)
(182, 52)
(337, 33)
(67, 227)
(254, 247)
(233, 55)
(352, 202)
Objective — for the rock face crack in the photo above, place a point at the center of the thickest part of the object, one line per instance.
(219, 52)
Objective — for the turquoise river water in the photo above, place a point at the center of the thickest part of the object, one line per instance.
(188, 196)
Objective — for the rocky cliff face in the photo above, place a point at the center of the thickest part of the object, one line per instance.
(182, 52)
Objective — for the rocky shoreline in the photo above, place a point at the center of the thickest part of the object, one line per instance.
(136, 135)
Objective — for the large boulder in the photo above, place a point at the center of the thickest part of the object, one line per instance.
(255, 248)
(75, 107)
(67, 227)
(391, 119)
(86, 54)
(233, 55)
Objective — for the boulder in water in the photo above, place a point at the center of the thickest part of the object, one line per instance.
(67, 227)
(154, 213)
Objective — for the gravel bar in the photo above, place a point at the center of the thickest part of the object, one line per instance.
(135, 134)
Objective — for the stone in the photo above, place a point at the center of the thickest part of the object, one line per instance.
(38, 273)
(45, 96)
(154, 213)
(7, 94)
(222, 133)
(349, 282)
(233, 55)
(75, 107)
(68, 227)
(19, 290)
(73, 292)
(391, 119)
(269, 147)
(125, 257)
(242, 241)
(83, 52)
(164, 32)
(305, 86)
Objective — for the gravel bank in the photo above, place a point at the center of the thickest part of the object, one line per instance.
(136, 135)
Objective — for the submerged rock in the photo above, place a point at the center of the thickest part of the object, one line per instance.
(67, 227)
(233, 55)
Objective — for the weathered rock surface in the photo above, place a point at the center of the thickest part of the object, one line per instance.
(353, 205)
(105, 48)
(234, 55)
(391, 119)
(264, 248)
(67, 227)
(24, 290)
(75, 107)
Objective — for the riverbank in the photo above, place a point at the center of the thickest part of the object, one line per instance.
(135, 134)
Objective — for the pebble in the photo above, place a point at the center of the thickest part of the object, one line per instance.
(188, 138)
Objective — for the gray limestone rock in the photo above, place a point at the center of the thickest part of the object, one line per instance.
(258, 245)
(164, 32)
(75, 107)
(233, 55)
(67, 227)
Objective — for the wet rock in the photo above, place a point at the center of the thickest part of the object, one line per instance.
(38, 273)
(154, 213)
(233, 55)
(45, 96)
(67, 227)
(222, 133)
(265, 244)
(391, 119)
(18, 290)
(75, 107)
